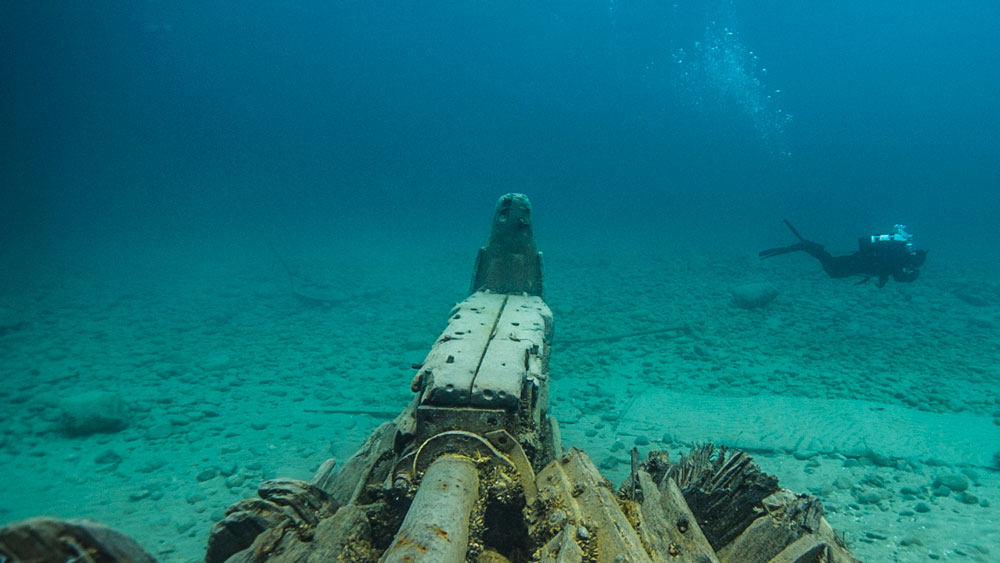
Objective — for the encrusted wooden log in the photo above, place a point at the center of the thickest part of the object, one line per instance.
(563, 547)
(792, 529)
(284, 504)
(575, 500)
(345, 536)
(744, 514)
(371, 464)
(724, 492)
(436, 528)
(668, 528)
(41, 540)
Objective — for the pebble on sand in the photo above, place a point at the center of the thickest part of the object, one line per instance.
(966, 497)
(108, 457)
(753, 295)
(93, 412)
(954, 481)
(159, 431)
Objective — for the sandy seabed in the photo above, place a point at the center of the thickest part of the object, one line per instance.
(884, 403)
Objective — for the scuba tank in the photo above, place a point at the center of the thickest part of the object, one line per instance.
(898, 234)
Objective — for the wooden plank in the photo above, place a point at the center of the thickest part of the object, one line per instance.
(821, 545)
(452, 362)
(520, 334)
(668, 527)
(571, 490)
(562, 548)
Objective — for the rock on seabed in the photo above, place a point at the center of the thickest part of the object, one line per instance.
(753, 295)
(93, 412)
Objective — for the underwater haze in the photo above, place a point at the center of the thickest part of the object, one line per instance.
(211, 210)
(684, 121)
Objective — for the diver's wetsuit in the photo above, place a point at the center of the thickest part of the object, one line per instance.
(879, 259)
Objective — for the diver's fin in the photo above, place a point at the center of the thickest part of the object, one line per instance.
(781, 250)
(796, 233)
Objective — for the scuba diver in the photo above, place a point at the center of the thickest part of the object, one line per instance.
(878, 256)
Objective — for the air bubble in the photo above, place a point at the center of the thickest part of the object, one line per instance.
(720, 67)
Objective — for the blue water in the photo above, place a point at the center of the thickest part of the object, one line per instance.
(680, 122)
(168, 168)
